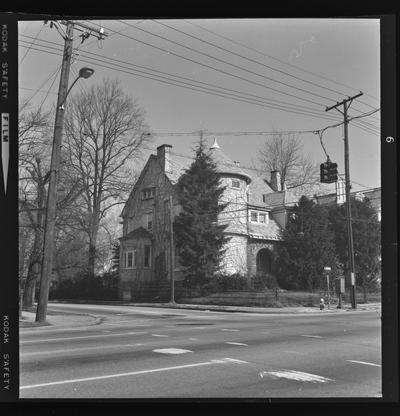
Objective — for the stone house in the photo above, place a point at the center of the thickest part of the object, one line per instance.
(257, 212)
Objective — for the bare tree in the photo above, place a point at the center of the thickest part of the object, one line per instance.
(33, 135)
(284, 153)
(105, 133)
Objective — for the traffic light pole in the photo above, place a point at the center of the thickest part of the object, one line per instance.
(346, 104)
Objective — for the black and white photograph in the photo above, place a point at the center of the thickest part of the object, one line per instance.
(199, 207)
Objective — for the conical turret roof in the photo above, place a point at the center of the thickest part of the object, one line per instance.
(225, 165)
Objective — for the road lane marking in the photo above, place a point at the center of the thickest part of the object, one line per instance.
(237, 343)
(172, 351)
(134, 373)
(193, 339)
(311, 336)
(294, 352)
(364, 362)
(25, 354)
(295, 375)
(159, 335)
(230, 330)
(83, 337)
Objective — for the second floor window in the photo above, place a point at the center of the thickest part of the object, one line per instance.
(148, 193)
(259, 216)
(149, 221)
(235, 183)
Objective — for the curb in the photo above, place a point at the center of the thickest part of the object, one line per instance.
(97, 321)
(229, 308)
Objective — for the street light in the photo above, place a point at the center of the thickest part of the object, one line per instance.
(48, 243)
(85, 73)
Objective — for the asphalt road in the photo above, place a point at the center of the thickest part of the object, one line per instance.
(145, 352)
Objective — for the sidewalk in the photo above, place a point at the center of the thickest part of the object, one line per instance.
(69, 320)
(57, 320)
(254, 309)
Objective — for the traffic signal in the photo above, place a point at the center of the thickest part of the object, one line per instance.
(324, 172)
(328, 172)
(333, 172)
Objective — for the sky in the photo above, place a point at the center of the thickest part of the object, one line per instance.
(267, 65)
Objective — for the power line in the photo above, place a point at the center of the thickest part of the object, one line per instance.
(230, 64)
(218, 93)
(176, 76)
(32, 43)
(279, 60)
(188, 79)
(250, 60)
(195, 88)
(45, 82)
(213, 68)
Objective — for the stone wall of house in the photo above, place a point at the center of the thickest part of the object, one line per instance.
(235, 258)
(235, 214)
(253, 247)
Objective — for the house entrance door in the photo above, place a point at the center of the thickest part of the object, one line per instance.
(264, 261)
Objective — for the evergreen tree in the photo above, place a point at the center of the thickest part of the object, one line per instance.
(115, 248)
(308, 246)
(366, 242)
(199, 238)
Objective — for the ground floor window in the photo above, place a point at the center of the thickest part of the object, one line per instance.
(129, 260)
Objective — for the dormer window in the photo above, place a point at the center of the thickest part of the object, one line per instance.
(148, 193)
(259, 216)
(235, 183)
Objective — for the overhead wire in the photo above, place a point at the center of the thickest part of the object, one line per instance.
(45, 82)
(195, 88)
(234, 65)
(188, 79)
(251, 60)
(32, 43)
(235, 42)
(211, 67)
(218, 93)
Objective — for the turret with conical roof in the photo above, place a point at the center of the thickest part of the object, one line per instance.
(225, 165)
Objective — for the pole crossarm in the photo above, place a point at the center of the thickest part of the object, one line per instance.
(79, 26)
(343, 102)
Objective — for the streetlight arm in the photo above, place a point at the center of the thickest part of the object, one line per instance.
(69, 89)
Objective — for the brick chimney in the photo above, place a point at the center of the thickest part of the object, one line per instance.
(164, 157)
(275, 181)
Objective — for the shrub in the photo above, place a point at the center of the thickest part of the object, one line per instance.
(262, 281)
(83, 287)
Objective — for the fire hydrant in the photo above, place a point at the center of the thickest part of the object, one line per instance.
(322, 304)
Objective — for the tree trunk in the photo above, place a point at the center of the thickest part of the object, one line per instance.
(29, 293)
(92, 259)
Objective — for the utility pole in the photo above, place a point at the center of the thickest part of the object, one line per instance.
(171, 251)
(48, 244)
(52, 191)
(346, 105)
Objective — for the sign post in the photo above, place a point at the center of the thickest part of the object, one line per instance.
(327, 270)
